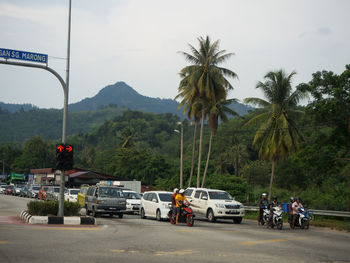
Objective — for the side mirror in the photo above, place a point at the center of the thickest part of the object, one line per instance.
(154, 200)
(204, 197)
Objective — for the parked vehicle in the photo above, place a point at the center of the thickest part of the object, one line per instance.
(33, 191)
(17, 189)
(71, 195)
(215, 204)
(185, 216)
(2, 188)
(52, 193)
(303, 220)
(266, 215)
(9, 189)
(81, 195)
(105, 200)
(133, 201)
(42, 192)
(24, 191)
(155, 204)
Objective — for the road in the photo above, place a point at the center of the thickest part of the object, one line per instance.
(132, 239)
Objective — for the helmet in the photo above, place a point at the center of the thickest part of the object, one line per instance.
(176, 190)
(292, 199)
(298, 198)
(275, 197)
(181, 191)
(264, 195)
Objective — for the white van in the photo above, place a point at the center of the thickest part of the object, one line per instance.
(155, 204)
(215, 204)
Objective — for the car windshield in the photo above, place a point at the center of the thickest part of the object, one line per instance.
(165, 197)
(220, 195)
(45, 188)
(83, 190)
(132, 195)
(36, 187)
(74, 191)
(56, 189)
(3, 186)
(111, 192)
(10, 186)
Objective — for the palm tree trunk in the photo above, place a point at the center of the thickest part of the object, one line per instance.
(271, 179)
(193, 152)
(208, 157)
(200, 149)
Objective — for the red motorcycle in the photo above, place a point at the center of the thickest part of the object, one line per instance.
(185, 216)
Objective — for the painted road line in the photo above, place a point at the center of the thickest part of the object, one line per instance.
(3, 242)
(124, 251)
(188, 230)
(278, 240)
(70, 228)
(176, 253)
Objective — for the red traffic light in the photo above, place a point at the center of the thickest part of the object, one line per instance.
(69, 148)
(60, 147)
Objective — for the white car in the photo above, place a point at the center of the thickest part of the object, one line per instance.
(215, 204)
(133, 201)
(71, 195)
(2, 188)
(155, 204)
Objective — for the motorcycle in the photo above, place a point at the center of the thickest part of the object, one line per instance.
(276, 217)
(303, 220)
(186, 215)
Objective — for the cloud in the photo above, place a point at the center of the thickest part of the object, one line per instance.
(321, 31)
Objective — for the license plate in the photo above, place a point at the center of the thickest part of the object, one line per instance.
(112, 208)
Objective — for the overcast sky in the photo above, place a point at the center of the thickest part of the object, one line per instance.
(137, 42)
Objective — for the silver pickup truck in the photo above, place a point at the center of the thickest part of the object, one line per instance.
(105, 200)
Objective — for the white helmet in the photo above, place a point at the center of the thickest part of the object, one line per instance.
(176, 190)
(264, 194)
(181, 191)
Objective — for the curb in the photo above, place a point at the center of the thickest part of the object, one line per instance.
(74, 220)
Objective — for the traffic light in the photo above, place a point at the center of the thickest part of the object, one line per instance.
(64, 157)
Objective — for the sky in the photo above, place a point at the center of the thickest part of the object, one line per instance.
(138, 42)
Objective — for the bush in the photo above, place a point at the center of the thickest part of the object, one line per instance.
(39, 208)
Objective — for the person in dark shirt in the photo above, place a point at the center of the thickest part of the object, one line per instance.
(273, 204)
(262, 204)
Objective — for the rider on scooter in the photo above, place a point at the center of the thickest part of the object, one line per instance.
(262, 203)
(296, 205)
(271, 206)
(173, 201)
(180, 199)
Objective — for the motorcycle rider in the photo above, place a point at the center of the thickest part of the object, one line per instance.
(290, 209)
(173, 202)
(273, 204)
(262, 203)
(296, 205)
(180, 199)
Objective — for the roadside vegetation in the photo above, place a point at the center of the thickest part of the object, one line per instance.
(281, 147)
(50, 208)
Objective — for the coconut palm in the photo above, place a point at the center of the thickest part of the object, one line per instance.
(278, 134)
(204, 82)
(216, 111)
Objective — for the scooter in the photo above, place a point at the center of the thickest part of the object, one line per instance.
(185, 216)
(277, 217)
(265, 216)
(303, 220)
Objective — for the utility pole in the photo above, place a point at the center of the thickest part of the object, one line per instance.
(65, 113)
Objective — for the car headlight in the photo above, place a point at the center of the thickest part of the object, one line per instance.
(165, 206)
(220, 205)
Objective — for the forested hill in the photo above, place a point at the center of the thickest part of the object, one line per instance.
(123, 95)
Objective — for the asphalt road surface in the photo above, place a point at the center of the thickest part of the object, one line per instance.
(132, 239)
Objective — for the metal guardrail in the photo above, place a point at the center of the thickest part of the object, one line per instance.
(313, 211)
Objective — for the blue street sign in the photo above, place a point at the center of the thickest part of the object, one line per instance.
(23, 55)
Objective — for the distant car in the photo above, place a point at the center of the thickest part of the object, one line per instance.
(9, 189)
(33, 191)
(52, 193)
(133, 201)
(42, 192)
(24, 191)
(155, 204)
(2, 188)
(105, 200)
(17, 189)
(71, 195)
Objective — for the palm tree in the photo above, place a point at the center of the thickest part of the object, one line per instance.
(204, 81)
(278, 134)
(216, 111)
